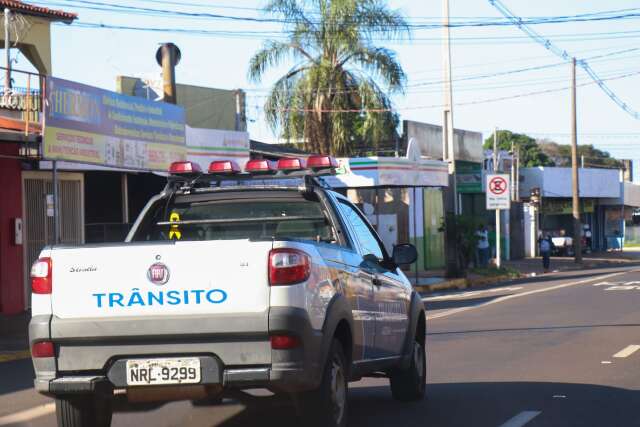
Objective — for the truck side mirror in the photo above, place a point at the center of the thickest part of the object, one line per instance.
(404, 254)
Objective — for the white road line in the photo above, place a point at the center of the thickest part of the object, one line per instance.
(471, 293)
(627, 351)
(521, 419)
(28, 414)
(522, 294)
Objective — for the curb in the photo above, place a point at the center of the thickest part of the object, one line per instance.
(463, 283)
(14, 355)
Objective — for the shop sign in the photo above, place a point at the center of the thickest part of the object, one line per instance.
(551, 206)
(468, 177)
(95, 126)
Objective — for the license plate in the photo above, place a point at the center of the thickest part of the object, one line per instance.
(163, 371)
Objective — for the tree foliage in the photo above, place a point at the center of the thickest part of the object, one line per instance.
(549, 153)
(530, 152)
(561, 155)
(335, 97)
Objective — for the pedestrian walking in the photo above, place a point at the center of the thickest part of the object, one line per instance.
(483, 246)
(546, 247)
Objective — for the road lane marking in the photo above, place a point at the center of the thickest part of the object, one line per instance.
(606, 362)
(14, 355)
(521, 419)
(28, 414)
(471, 293)
(523, 294)
(622, 288)
(627, 351)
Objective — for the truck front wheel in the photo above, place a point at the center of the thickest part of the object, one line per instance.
(83, 411)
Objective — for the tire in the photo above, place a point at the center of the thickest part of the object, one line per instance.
(83, 411)
(327, 405)
(408, 385)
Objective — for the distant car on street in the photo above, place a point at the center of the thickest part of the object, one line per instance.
(228, 281)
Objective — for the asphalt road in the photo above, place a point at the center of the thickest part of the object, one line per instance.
(558, 350)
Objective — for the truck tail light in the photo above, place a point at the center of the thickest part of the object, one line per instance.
(284, 342)
(288, 266)
(41, 276)
(43, 349)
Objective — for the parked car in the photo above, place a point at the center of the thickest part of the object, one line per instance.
(228, 280)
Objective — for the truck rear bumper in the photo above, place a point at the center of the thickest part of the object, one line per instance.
(91, 354)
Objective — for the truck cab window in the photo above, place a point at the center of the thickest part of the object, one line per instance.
(368, 242)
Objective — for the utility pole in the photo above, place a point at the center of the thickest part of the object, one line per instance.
(495, 170)
(577, 227)
(7, 48)
(447, 128)
(238, 94)
(513, 172)
(517, 185)
(453, 269)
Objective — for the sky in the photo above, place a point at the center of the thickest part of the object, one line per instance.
(95, 56)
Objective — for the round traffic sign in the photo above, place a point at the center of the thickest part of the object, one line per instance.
(497, 185)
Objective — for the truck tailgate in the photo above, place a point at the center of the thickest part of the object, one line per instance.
(167, 279)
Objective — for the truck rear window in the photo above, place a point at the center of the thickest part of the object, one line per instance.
(295, 218)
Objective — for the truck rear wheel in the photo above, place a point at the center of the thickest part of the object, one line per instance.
(327, 405)
(410, 384)
(83, 411)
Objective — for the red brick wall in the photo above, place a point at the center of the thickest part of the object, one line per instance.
(11, 273)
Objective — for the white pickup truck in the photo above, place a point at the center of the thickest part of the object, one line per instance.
(228, 281)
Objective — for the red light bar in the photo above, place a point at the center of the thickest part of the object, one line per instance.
(224, 167)
(321, 162)
(291, 164)
(260, 166)
(184, 167)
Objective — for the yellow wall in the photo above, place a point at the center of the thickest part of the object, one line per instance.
(34, 40)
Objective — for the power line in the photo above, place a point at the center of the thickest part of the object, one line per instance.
(467, 103)
(101, 6)
(564, 55)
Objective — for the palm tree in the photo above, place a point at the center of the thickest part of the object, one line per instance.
(335, 97)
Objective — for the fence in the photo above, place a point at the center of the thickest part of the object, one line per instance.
(22, 100)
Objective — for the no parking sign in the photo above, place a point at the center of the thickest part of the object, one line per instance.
(498, 191)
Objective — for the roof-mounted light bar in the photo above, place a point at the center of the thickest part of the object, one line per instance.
(224, 167)
(319, 162)
(293, 164)
(260, 166)
(184, 167)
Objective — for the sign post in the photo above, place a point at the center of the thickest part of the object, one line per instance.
(498, 197)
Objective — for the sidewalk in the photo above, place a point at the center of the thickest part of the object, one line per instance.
(528, 267)
(14, 341)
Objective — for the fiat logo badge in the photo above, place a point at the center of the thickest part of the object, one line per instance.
(158, 274)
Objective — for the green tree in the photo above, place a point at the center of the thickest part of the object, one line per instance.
(561, 155)
(335, 98)
(530, 152)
